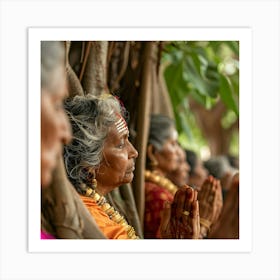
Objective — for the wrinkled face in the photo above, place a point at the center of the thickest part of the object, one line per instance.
(55, 127)
(180, 175)
(118, 161)
(167, 157)
(200, 173)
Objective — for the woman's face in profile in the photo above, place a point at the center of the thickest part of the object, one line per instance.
(118, 161)
(55, 128)
(199, 175)
(180, 175)
(167, 157)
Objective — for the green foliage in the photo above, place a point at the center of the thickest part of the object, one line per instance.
(227, 94)
(234, 145)
(207, 71)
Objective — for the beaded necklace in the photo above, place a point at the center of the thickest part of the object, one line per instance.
(111, 212)
(151, 176)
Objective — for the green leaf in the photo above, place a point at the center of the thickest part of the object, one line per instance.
(184, 124)
(234, 46)
(226, 93)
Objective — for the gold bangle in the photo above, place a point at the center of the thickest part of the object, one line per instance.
(205, 223)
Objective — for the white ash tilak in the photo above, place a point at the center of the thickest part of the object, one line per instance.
(121, 125)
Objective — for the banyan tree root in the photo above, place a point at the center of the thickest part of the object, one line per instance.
(94, 79)
(74, 85)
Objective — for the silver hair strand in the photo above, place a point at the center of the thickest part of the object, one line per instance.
(91, 118)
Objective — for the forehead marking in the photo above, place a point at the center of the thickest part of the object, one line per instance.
(121, 125)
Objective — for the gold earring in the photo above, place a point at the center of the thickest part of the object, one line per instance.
(94, 184)
(153, 164)
(91, 180)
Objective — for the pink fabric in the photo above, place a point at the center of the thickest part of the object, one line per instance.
(45, 235)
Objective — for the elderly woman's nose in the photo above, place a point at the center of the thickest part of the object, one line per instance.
(133, 152)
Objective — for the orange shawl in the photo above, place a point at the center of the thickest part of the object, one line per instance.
(111, 229)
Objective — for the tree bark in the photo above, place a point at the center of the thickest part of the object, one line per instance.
(74, 85)
(209, 121)
(94, 78)
(143, 124)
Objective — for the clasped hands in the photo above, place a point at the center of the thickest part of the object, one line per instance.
(210, 204)
(180, 219)
(191, 214)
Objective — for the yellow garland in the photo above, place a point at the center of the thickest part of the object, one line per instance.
(111, 212)
(162, 181)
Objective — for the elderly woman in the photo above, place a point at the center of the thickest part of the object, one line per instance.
(180, 176)
(198, 173)
(101, 158)
(220, 168)
(63, 215)
(163, 159)
(55, 127)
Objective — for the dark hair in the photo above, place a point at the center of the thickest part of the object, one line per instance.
(192, 160)
(160, 130)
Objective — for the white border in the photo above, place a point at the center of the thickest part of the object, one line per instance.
(243, 35)
(263, 17)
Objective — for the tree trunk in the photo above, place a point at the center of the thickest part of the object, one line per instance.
(143, 124)
(209, 122)
(94, 79)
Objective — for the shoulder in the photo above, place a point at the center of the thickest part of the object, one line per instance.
(155, 192)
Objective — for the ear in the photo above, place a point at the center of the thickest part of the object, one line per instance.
(151, 153)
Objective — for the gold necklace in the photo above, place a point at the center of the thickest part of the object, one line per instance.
(151, 176)
(111, 212)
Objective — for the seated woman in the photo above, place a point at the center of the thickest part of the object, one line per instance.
(55, 127)
(101, 158)
(63, 215)
(220, 168)
(163, 158)
(166, 160)
(198, 173)
(180, 176)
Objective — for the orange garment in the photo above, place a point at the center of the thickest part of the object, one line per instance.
(111, 229)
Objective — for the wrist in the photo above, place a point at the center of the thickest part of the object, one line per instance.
(204, 227)
(203, 231)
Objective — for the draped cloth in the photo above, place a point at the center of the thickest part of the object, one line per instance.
(155, 197)
(122, 200)
(63, 213)
(110, 229)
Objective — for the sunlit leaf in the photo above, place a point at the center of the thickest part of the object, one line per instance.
(234, 46)
(226, 93)
(184, 125)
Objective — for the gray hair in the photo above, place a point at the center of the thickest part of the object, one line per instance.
(52, 57)
(218, 166)
(91, 118)
(160, 130)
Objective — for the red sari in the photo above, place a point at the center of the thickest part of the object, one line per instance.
(155, 197)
